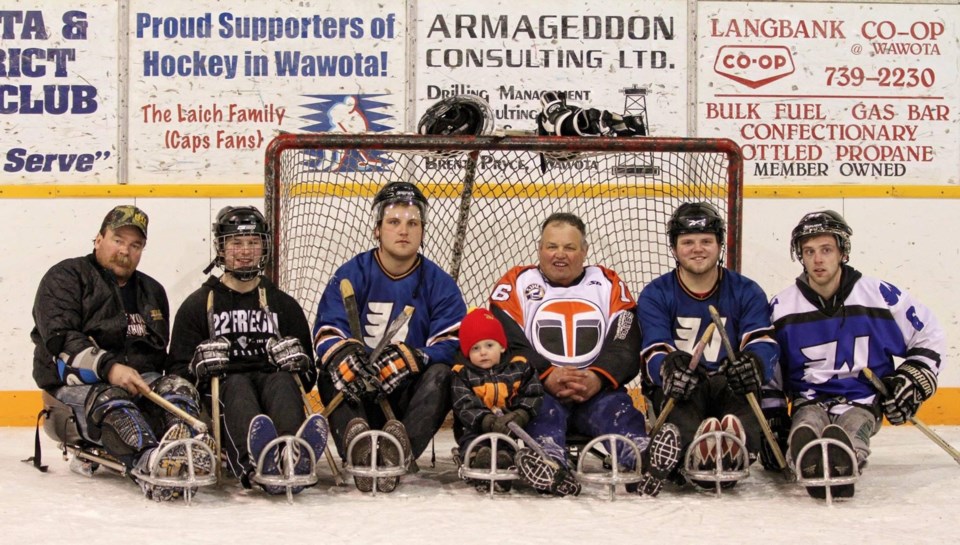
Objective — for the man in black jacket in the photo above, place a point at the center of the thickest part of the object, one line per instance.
(242, 327)
(100, 336)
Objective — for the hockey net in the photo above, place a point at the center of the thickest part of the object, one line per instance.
(487, 198)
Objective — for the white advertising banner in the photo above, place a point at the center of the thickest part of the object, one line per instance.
(212, 82)
(58, 92)
(626, 57)
(833, 92)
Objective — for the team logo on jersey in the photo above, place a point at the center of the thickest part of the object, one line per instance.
(348, 114)
(569, 331)
(534, 292)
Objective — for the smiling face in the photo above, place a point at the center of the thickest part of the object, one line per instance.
(243, 253)
(400, 233)
(821, 260)
(120, 251)
(562, 253)
(697, 253)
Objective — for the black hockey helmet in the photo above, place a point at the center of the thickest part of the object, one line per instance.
(398, 193)
(460, 115)
(236, 221)
(819, 223)
(695, 217)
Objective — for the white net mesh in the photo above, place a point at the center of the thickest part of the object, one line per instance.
(320, 188)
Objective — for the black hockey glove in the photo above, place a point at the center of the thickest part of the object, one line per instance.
(744, 374)
(346, 362)
(779, 422)
(502, 423)
(288, 355)
(558, 118)
(907, 387)
(211, 358)
(620, 125)
(679, 381)
(395, 364)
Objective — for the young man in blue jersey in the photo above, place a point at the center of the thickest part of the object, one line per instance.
(412, 372)
(831, 325)
(673, 311)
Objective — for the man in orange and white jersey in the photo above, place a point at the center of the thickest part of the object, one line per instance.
(576, 325)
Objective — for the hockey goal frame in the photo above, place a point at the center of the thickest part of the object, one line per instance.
(471, 147)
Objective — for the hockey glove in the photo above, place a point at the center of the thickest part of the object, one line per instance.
(907, 387)
(679, 381)
(397, 362)
(288, 355)
(502, 423)
(744, 374)
(211, 358)
(779, 422)
(346, 361)
(620, 125)
(486, 425)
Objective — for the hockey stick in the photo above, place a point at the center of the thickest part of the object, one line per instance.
(529, 441)
(752, 400)
(465, 198)
(194, 422)
(337, 478)
(353, 316)
(694, 361)
(214, 386)
(884, 391)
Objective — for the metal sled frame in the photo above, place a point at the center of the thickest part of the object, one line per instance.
(375, 436)
(189, 482)
(60, 424)
(827, 481)
(613, 475)
(493, 474)
(718, 474)
(287, 479)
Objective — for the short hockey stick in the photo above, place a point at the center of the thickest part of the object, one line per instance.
(752, 400)
(337, 478)
(884, 391)
(694, 361)
(194, 422)
(214, 386)
(529, 441)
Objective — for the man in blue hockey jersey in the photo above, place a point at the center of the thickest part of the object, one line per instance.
(831, 325)
(412, 372)
(673, 311)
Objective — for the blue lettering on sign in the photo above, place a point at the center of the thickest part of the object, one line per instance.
(19, 159)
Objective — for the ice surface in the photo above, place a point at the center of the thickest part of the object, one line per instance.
(908, 494)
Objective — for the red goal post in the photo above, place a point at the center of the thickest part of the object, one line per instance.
(487, 197)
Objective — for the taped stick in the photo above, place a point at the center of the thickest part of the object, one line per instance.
(694, 361)
(334, 468)
(214, 389)
(752, 400)
(529, 441)
(194, 422)
(932, 435)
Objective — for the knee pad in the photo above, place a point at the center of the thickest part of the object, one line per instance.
(115, 421)
(179, 391)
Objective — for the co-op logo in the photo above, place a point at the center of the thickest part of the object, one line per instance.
(754, 65)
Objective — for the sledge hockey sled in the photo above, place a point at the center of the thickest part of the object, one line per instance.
(60, 424)
(612, 473)
(378, 468)
(830, 448)
(492, 475)
(727, 467)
